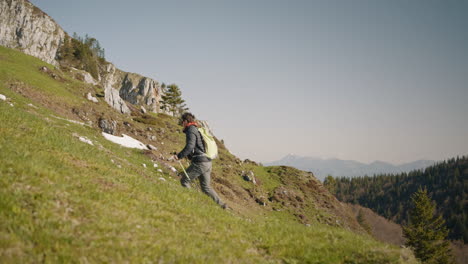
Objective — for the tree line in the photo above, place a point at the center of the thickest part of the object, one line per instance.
(389, 194)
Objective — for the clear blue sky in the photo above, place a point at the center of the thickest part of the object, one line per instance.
(361, 80)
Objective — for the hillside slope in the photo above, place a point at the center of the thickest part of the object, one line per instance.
(65, 200)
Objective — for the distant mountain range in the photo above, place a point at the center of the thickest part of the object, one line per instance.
(349, 168)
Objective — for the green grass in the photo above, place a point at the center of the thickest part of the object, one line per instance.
(20, 67)
(65, 201)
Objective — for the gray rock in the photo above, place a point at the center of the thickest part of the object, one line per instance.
(261, 200)
(132, 88)
(84, 76)
(249, 176)
(112, 95)
(26, 28)
(151, 137)
(91, 98)
(108, 127)
(151, 147)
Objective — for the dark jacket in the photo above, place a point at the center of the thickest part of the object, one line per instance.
(194, 148)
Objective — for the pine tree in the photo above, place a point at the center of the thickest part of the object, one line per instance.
(172, 100)
(330, 184)
(426, 232)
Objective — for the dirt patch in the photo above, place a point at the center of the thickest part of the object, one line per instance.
(41, 98)
(107, 185)
(381, 228)
(231, 191)
(52, 74)
(79, 163)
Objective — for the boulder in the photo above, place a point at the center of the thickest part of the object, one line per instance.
(84, 76)
(249, 176)
(107, 126)
(151, 147)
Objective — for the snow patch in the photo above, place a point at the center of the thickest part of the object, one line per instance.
(86, 140)
(71, 121)
(125, 141)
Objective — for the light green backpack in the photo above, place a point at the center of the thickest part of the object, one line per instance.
(211, 149)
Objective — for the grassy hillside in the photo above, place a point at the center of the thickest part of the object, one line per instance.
(64, 200)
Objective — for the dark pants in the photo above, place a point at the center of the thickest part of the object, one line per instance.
(202, 171)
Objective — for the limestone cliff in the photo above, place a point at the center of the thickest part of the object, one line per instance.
(25, 27)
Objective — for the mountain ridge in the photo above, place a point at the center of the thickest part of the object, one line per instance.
(346, 168)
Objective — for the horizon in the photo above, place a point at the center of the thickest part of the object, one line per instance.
(366, 163)
(360, 81)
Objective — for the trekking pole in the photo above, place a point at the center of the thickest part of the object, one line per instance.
(182, 166)
(186, 175)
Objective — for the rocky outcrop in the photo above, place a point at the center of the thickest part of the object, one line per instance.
(111, 94)
(122, 87)
(84, 76)
(140, 90)
(25, 27)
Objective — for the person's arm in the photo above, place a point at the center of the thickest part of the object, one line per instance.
(190, 140)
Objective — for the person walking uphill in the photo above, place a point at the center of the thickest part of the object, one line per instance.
(200, 166)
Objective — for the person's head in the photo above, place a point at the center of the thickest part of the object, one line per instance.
(186, 118)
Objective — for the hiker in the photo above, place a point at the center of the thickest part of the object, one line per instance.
(194, 150)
